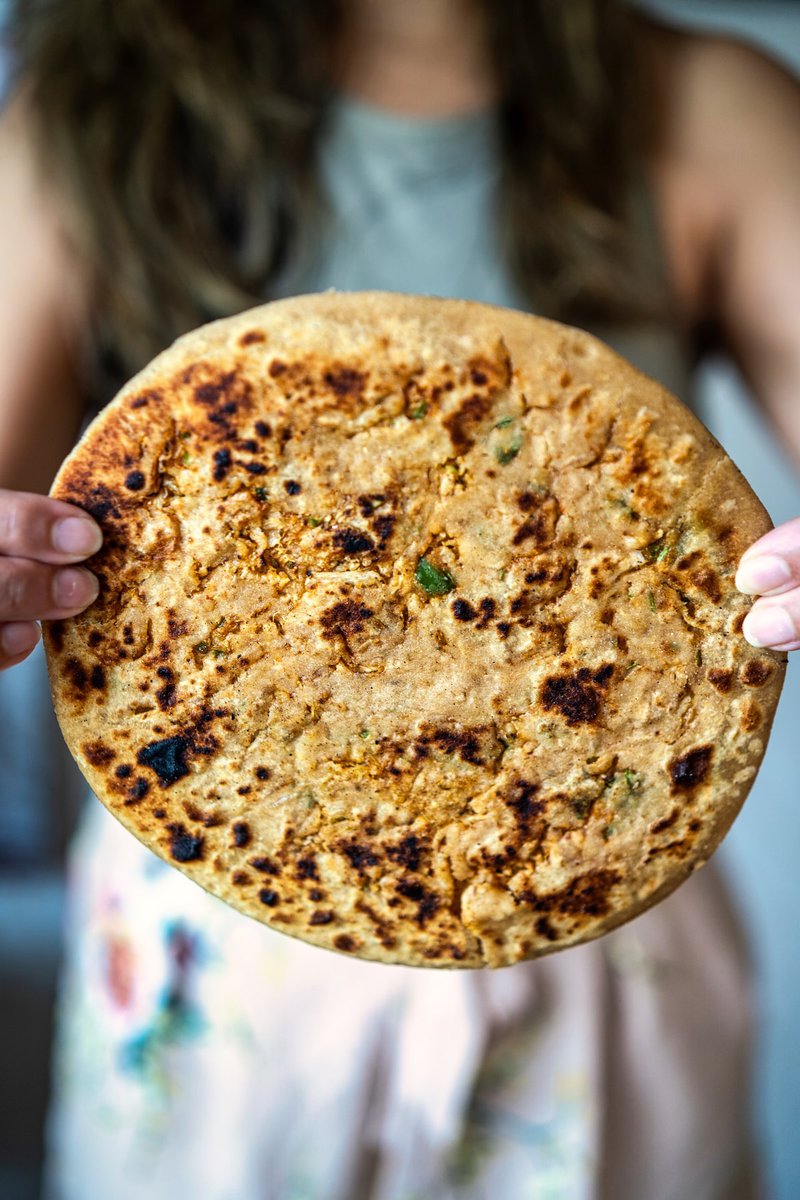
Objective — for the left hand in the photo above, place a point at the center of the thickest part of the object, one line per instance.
(770, 569)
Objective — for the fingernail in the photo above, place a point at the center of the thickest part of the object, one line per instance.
(762, 573)
(19, 638)
(75, 588)
(772, 626)
(74, 535)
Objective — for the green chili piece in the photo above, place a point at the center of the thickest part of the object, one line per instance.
(432, 580)
(504, 454)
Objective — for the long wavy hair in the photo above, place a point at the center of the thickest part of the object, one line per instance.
(183, 134)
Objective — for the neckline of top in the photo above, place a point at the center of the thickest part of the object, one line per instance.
(369, 120)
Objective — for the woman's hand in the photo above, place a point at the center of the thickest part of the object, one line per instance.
(40, 540)
(770, 569)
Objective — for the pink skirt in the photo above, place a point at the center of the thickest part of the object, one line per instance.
(201, 1054)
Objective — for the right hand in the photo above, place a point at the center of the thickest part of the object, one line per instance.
(40, 541)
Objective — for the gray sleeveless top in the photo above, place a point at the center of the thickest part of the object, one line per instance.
(413, 209)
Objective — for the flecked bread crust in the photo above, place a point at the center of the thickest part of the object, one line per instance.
(512, 748)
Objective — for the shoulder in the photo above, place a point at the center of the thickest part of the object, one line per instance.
(726, 143)
(720, 95)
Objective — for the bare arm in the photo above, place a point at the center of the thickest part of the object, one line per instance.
(729, 178)
(42, 303)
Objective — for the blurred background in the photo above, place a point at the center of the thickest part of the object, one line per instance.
(40, 794)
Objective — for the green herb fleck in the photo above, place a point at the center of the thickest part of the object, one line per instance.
(186, 458)
(630, 667)
(581, 806)
(202, 647)
(260, 493)
(653, 603)
(364, 734)
(504, 454)
(419, 412)
(608, 831)
(657, 551)
(432, 580)
(633, 780)
(314, 522)
(504, 423)
(220, 653)
(184, 434)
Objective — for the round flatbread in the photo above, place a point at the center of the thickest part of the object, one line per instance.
(417, 635)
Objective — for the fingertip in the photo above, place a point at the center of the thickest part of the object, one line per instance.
(18, 638)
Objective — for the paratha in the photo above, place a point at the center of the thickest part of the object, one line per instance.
(417, 635)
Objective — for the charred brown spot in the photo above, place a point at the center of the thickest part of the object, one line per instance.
(666, 822)
(344, 618)
(503, 629)
(488, 608)
(56, 631)
(426, 902)
(244, 790)
(184, 846)
(586, 896)
(99, 755)
(707, 582)
(123, 771)
(137, 791)
(321, 917)
(134, 481)
(461, 424)
(241, 834)
(267, 866)
(251, 337)
(166, 695)
(167, 758)
(545, 929)
(691, 769)
(263, 429)
(408, 853)
(269, 897)
(756, 672)
(738, 622)
(750, 716)
(222, 463)
(479, 378)
(292, 487)
(345, 942)
(722, 680)
(316, 894)
(455, 741)
(262, 773)
(607, 616)
(254, 468)
(577, 697)
(346, 381)
(159, 813)
(533, 527)
(383, 526)
(142, 400)
(522, 801)
(76, 673)
(352, 541)
(307, 869)
(212, 392)
(359, 856)
(463, 610)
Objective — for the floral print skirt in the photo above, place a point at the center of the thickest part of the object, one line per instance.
(200, 1054)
